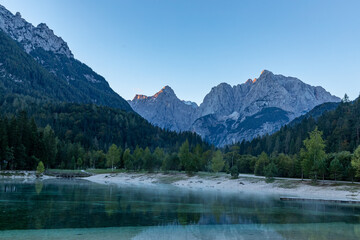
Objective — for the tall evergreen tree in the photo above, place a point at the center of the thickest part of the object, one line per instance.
(113, 156)
(313, 154)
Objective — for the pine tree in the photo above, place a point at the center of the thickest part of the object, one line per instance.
(113, 156)
(335, 168)
(148, 160)
(217, 162)
(128, 160)
(261, 163)
(355, 162)
(313, 154)
(186, 158)
(40, 168)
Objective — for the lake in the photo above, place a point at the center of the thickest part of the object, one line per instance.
(78, 209)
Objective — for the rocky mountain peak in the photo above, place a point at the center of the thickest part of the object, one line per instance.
(31, 37)
(139, 97)
(249, 81)
(42, 26)
(165, 109)
(168, 91)
(265, 74)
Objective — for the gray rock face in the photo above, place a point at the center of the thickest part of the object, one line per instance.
(32, 37)
(242, 112)
(165, 110)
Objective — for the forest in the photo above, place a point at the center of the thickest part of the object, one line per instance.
(81, 136)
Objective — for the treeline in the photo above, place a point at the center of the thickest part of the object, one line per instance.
(75, 136)
(311, 162)
(70, 136)
(97, 127)
(325, 148)
(23, 145)
(340, 127)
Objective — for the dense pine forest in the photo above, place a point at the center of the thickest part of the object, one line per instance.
(80, 136)
(69, 135)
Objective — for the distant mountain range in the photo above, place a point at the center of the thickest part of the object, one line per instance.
(232, 114)
(35, 62)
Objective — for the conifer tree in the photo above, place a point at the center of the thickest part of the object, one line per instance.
(313, 154)
(217, 162)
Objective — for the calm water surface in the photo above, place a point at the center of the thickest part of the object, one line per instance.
(75, 209)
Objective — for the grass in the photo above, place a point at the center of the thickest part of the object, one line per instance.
(62, 171)
(171, 179)
(105, 171)
(11, 173)
(287, 184)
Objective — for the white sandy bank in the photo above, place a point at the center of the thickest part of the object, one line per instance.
(248, 184)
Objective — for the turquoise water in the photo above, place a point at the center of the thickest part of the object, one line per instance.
(76, 209)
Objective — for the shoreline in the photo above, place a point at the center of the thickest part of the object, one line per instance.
(244, 184)
(220, 182)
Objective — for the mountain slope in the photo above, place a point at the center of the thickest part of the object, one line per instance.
(40, 64)
(96, 127)
(165, 110)
(242, 112)
(316, 112)
(340, 127)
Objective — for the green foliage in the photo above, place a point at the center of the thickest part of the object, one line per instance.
(187, 161)
(113, 156)
(270, 171)
(217, 162)
(355, 162)
(171, 162)
(128, 160)
(79, 162)
(40, 169)
(335, 168)
(261, 162)
(313, 154)
(148, 160)
(158, 158)
(78, 130)
(285, 165)
(234, 171)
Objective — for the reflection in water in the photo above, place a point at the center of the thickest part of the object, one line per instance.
(328, 231)
(38, 186)
(8, 188)
(70, 204)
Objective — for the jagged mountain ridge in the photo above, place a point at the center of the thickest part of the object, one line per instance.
(175, 114)
(32, 37)
(231, 114)
(67, 78)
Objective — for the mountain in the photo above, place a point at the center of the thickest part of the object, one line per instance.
(165, 110)
(36, 62)
(231, 114)
(316, 112)
(339, 122)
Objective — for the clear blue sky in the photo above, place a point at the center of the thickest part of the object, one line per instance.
(192, 45)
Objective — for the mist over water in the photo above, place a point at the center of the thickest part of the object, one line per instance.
(76, 209)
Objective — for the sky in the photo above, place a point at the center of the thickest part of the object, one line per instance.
(139, 46)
